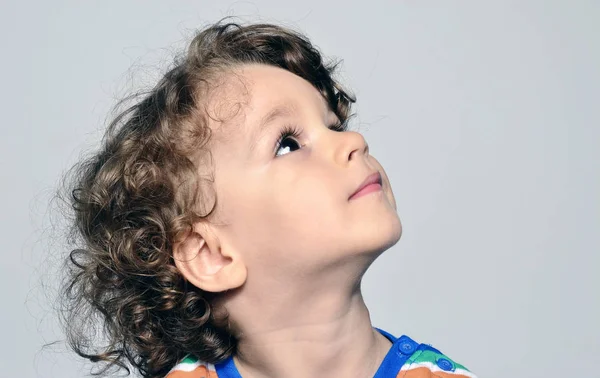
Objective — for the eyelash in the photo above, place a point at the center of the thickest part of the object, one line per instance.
(295, 132)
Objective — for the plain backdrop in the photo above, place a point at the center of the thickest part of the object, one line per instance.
(485, 115)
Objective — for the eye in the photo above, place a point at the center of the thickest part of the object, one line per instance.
(285, 141)
(288, 142)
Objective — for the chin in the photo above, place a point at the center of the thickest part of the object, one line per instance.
(391, 234)
(386, 237)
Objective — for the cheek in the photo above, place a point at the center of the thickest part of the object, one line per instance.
(309, 192)
(296, 207)
(309, 216)
(287, 218)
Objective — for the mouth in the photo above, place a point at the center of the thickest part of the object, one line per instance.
(371, 184)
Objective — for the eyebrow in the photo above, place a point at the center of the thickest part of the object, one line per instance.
(279, 111)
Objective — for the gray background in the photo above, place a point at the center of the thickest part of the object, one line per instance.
(484, 114)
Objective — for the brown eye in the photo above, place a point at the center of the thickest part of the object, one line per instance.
(287, 140)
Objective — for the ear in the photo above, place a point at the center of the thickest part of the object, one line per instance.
(206, 262)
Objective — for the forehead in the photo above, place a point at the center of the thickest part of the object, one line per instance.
(251, 97)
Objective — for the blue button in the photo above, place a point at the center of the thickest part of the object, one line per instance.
(406, 347)
(445, 364)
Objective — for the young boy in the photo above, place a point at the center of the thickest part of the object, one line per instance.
(266, 283)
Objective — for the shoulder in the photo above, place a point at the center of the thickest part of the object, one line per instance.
(423, 360)
(191, 367)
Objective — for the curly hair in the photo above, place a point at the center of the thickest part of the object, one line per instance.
(133, 198)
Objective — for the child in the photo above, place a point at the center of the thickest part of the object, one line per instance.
(228, 220)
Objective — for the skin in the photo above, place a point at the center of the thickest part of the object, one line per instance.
(287, 248)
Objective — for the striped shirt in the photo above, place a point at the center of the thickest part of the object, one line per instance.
(405, 359)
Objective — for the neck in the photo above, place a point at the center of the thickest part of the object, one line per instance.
(323, 334)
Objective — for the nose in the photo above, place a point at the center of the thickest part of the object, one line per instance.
(352, 146)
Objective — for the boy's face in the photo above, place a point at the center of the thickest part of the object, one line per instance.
(286, 210)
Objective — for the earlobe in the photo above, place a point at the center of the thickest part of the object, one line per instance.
(207, 263)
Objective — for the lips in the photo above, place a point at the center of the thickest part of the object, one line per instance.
(372, 181)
